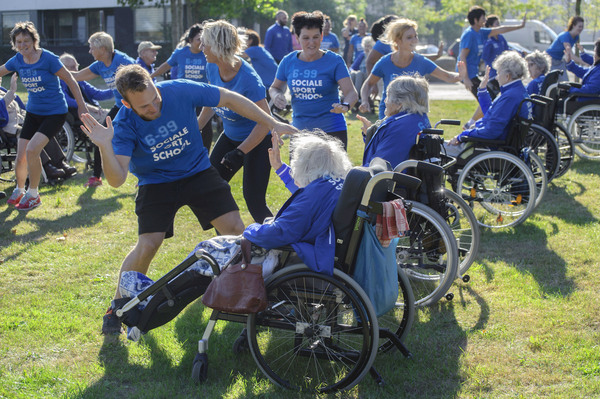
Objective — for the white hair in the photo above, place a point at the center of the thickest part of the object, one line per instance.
(317, 155)
(512, 63)
(410, 91)
(541, 60)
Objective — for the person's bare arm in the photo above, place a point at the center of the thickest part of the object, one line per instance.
(66, 76)
(277, 93)
(257, 134)
(365, 92)
(164, 67)
(115, 167)
(84, 74)
(205, 116)
(372, 59)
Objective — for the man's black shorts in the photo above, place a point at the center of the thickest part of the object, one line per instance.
(475, 82)
(206, 193)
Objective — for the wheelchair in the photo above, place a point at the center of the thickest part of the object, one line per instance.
(501, 180)
(319, 332)
(74, 142)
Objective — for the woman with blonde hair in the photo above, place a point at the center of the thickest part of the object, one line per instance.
(401, 34)
(243, 142)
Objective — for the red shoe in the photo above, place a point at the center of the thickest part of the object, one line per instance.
(15, 197)
(93, 182)
(28, 202)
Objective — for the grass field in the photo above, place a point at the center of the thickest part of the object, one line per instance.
(525, 326)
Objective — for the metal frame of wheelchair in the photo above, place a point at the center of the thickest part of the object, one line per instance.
(504, 185)
(319, 332)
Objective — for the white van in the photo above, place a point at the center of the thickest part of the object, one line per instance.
(536, 35)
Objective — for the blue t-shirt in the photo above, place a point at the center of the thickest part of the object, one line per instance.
(356, 41)
(330, 41)
(493, 47)
(382, 48)
(474, 41)
(557, 48)
(314, 87)
(41, 82)
(247, 83)
(385, 69)
(189, 65)
(108, 72)
(170, 147)
(263, 63)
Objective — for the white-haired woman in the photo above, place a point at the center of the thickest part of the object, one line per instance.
(497, 115)
(402, 35)
(538, 64)
(107, 61)
(407, 104)
(318, 169)
(243, 142)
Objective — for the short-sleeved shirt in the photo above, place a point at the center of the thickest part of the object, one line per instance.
(474, 41)
(382, 48)
(493, 47)
(189, 65)
(170, 147)
(108, 72)
(330, 41)
(385, 69)
(247, 83)
(356, 41)
(41, 82)
(263, 63)
(557, 48)
(314, 88)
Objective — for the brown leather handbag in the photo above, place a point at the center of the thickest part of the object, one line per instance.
(239, 288)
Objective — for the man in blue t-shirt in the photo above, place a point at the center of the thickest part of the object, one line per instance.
(471, 48)
(278, 39)
(156, 137)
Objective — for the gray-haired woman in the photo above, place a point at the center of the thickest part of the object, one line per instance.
(538, 64)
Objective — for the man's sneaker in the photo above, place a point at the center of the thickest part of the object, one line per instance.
(111, 324)
(15, 197)
(28, 202)
(93, 182)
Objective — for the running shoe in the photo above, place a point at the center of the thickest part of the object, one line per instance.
(28, 202)
(15, 197)
(93, 182)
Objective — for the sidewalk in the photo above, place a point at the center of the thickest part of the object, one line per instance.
(449, 91)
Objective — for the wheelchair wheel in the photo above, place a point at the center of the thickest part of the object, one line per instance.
(400, 319)
(544, 144)
(565, 146)
(539, 175)
(318, 333)
(584, 126)
(428, 255)
(499, 187)
(66, 140)
(462, 221)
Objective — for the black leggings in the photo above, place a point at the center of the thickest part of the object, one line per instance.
(257, 170)
(97, 159)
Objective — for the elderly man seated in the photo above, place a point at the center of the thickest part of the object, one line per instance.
(498, 114)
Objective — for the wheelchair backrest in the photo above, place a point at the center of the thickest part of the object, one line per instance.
(344, 214)
(549, 85)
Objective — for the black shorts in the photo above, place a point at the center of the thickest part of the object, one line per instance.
(206, 193)
(48, 125)
(475, 82)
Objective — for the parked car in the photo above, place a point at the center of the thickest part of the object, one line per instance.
(536, 35)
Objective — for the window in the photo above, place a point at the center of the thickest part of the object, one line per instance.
(9, 19)
(152, 23)
(73, 27)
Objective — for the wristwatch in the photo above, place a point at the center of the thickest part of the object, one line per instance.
(347, 105)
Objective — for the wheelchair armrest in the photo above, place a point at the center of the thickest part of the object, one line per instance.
(478, 140)
(565, 86)
(432, 131)
(454, 122)
(429, 168)
(410, 182)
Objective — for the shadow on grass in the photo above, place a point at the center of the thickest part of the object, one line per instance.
(560, 202)
(89, 214)
(515, 246)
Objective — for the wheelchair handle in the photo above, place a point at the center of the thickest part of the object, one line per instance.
(400, 178)
(439, 132)
(420, 166)
(454, 122)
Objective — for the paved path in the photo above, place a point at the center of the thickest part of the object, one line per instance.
(449, 91)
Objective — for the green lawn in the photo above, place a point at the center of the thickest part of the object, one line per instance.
(526, 325)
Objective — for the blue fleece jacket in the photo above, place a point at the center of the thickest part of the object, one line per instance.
(590, 83)
(498, 114)
(304, 222)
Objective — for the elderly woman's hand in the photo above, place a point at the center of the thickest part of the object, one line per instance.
(568, 53)
(365, 123)
(274, 154)
(454, 141)
(486, 78)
